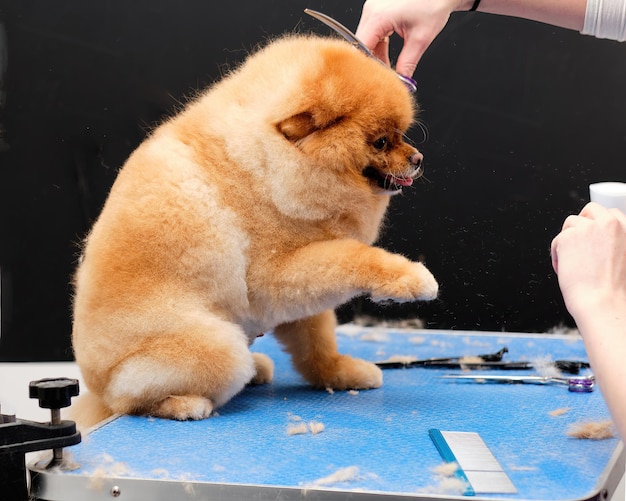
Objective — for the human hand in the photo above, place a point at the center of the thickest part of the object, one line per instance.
(589, 257)
(418, 22)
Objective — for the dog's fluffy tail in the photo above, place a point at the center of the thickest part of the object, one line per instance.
(88, 410)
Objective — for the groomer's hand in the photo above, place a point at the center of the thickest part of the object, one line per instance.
(418, 22)
(589, 257)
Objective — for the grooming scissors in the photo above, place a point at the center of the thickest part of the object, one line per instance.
(448, 362)
(583, 384)
(492, 361)
(567, 366)
(355, 42)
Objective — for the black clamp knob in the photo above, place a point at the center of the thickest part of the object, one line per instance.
(18, 436)
(53, 393)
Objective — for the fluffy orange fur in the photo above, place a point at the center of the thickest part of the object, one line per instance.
(254, 209)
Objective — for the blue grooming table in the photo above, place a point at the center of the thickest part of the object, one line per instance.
(376, 442)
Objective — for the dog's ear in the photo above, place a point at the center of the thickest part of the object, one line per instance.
(301, 125)
(297, 126)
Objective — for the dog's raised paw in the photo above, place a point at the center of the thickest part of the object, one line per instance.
(429, 287)
(416, 283)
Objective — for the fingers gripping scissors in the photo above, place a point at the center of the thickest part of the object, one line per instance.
(351, 37)
(583, 384)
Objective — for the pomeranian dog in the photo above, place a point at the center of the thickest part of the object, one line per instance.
(252, 210)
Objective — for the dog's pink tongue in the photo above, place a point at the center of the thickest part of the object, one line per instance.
(404, 181)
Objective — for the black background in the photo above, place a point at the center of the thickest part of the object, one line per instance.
(521, 117)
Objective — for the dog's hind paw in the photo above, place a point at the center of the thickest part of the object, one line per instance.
(183, 407)
(264, 369)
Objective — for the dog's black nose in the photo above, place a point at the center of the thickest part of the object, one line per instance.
(416, 159)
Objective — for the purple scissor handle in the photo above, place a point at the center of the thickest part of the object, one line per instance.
(355, 42)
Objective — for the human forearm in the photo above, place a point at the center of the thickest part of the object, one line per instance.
(603, 328)
(565, 13)
(589, 257)
(418, 22)
(599, 18)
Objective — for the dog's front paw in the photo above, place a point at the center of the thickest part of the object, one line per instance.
(414, 282)
(349, 373)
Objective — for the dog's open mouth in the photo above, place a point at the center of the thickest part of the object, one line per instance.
(387, 181)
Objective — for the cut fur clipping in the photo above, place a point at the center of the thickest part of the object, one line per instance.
(297, 429)
(447, 482)
(559, 412)
(297, 426)
(348, 474)
(592, 430)
(545, 367)
(446, 469)
(107, 467)
(302, 428)
(401, 359)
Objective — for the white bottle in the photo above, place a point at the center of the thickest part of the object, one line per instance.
(610, 195)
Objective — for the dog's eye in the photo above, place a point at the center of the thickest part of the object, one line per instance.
(380, 143)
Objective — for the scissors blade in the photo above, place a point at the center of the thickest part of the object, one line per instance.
(355, 42)
(458, 362)
(495, 378)
(583, 384)
(341, 29)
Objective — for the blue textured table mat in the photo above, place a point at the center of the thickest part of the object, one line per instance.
(382, 432)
